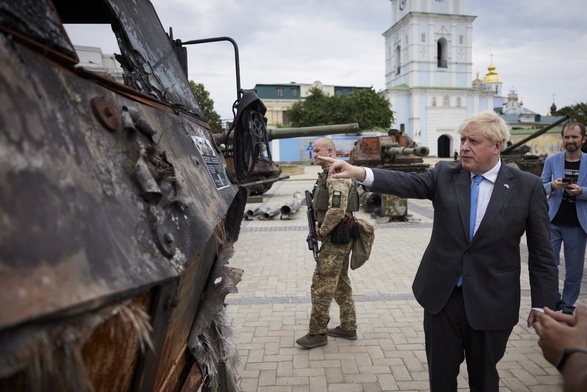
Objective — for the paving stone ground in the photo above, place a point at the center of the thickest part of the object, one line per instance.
(272, 307)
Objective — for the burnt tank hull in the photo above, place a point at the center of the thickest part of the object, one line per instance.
(114, 228)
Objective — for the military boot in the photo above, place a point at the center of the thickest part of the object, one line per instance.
(341, 333)
(311, 341)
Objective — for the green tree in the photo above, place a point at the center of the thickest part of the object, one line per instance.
(365, 107)
(577, 112)
(370, 109)
(207, 105)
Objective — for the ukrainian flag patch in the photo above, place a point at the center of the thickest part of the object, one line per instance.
(336, 195)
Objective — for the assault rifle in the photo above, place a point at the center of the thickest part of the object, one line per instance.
(312, 238)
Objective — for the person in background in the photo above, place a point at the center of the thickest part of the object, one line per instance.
(334, 201)
(563, 340)
(468, 281)
(564, 177)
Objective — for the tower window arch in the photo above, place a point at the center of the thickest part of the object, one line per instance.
(442, 53)
(397, 59)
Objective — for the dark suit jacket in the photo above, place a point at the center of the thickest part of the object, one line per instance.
(490, 264)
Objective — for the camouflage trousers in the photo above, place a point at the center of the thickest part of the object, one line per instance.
(335, 284)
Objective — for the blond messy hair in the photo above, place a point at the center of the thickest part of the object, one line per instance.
(491, 126)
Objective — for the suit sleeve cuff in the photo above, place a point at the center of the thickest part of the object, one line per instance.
(368, 182)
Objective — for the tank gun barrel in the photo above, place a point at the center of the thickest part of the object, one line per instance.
(420, 151)
(534, 135)
(284, 133)
(261, 182)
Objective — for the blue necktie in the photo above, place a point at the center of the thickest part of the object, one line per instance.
(474, 197)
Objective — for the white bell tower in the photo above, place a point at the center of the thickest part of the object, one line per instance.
(429, 44)
(429, 71)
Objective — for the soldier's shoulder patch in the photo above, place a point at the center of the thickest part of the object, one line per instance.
(336, 195)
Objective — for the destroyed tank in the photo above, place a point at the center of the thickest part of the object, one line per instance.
(394, 151)
(118, 213)
(518, 155)
(265, 171)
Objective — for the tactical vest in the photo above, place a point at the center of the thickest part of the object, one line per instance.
(320, 194)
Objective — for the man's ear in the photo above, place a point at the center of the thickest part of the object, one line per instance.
(498, 144)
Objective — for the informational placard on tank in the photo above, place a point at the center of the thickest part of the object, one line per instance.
(212, 162)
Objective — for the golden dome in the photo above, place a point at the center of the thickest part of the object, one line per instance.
(492, 76)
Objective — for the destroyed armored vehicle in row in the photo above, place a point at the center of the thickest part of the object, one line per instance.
(118, 212)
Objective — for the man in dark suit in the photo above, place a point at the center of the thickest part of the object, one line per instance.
(469, 278)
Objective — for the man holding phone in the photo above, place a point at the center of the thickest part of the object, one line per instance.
(565, 180)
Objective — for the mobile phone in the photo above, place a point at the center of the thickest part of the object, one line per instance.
(567, 180)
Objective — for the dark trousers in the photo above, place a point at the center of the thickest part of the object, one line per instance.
(450, 338)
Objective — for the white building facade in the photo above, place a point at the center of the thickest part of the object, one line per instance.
(428, 72)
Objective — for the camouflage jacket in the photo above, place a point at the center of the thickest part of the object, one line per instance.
(338, 196)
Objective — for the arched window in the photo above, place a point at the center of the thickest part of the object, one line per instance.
(442, 53)
(397, 59)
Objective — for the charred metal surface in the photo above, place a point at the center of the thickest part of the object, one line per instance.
(234, 216)
(36, 21)
(175, 306)
(193, 379)
(148, 57)
(213, 342)
(67, 187)
(79, 353)
(105, 201)
(106, 114)
(222, 282)
(113, 346)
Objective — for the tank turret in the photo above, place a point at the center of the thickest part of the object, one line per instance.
(395, 151)
(518, 155)
(266, 172)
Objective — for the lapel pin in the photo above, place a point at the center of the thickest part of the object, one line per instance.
(506, 186)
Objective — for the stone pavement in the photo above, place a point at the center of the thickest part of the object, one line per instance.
(272, 307)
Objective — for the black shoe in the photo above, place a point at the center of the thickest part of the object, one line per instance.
(341, 333)
(311, 341)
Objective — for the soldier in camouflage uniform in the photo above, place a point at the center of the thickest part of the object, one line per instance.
(334, 200)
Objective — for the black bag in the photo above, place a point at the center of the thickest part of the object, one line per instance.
(344, 232)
